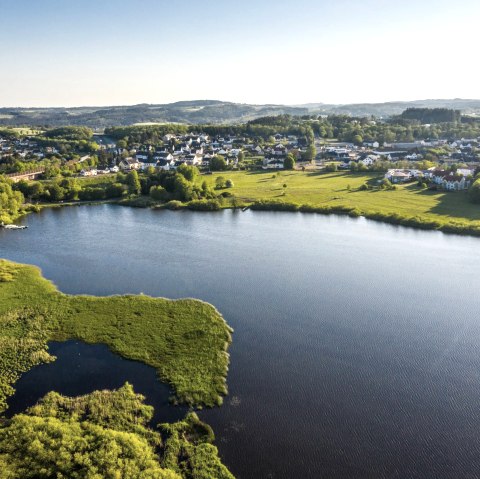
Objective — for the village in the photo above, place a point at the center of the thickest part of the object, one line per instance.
(454, 169)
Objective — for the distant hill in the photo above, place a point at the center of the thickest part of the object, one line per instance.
(388, 109)
(203, 111)
(209, 111)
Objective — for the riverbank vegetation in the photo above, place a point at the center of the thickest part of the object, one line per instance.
(364, 193)
(105, 434)
(356, 194)
(185, 340)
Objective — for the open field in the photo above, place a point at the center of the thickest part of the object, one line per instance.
(25, 131)
(332, 192)
(185, 340)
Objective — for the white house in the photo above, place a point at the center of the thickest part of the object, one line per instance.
(398, 176)
(369, 160)
(129, 164)
(92, 172)
(273, 164)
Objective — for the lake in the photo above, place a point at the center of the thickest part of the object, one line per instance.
(356, 350)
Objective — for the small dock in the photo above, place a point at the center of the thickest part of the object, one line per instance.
(14, 227)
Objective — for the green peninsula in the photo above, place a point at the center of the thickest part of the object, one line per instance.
(185, 340)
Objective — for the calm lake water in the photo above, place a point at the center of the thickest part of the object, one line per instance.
(356, 351)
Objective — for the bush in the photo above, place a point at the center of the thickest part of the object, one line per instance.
(115, 190)
(218, 163)
(92, 194)
(158, 193)
(229, 184)
(386, 184)
(174, 205)
(203, 205)
(220, 183)
(289, 163)
(474, 192)
(266, 205)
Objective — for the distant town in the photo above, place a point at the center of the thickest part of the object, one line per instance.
(448, 163)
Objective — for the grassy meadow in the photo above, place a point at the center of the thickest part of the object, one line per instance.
(185, 340)
(340, 192)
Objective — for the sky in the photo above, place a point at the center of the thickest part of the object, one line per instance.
(122, 52)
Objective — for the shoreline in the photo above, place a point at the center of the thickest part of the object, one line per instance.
(415, 222)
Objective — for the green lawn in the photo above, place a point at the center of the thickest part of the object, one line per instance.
(341, 190)
(185, 340)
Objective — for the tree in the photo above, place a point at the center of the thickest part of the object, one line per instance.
(218, 163)
(474, 192)
(158, 193)
(289, 163)
(241, 157)
(57, 193)
(357, 139)
(220, 183)
(133, 182)
(71, 187)
(189, 172)
(114, 190)
(182, 188)
(35, 190)
(310, 154)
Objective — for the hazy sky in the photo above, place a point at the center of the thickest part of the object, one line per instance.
(110, 52)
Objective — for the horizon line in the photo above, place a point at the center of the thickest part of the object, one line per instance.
(295, 105)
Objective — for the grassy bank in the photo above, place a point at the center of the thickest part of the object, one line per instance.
(185, 340)
(354, 194)
(341, 193)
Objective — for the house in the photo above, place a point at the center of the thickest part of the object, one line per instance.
(449, 180)
(92, 172)
(193, 159)
(454, 183)
(148, 164)
(465, 172)
(398, 176)
(177, 163)
(368, 160)
(273, 164)
(165, 164)
(129, 164)
(163, 155)
(280, 150)
(142, 156)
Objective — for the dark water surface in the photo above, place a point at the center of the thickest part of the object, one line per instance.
(356, 350)
(81, 368)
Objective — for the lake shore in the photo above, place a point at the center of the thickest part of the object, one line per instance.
(324, 193)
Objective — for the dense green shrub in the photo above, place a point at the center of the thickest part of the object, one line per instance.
(203, 205)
